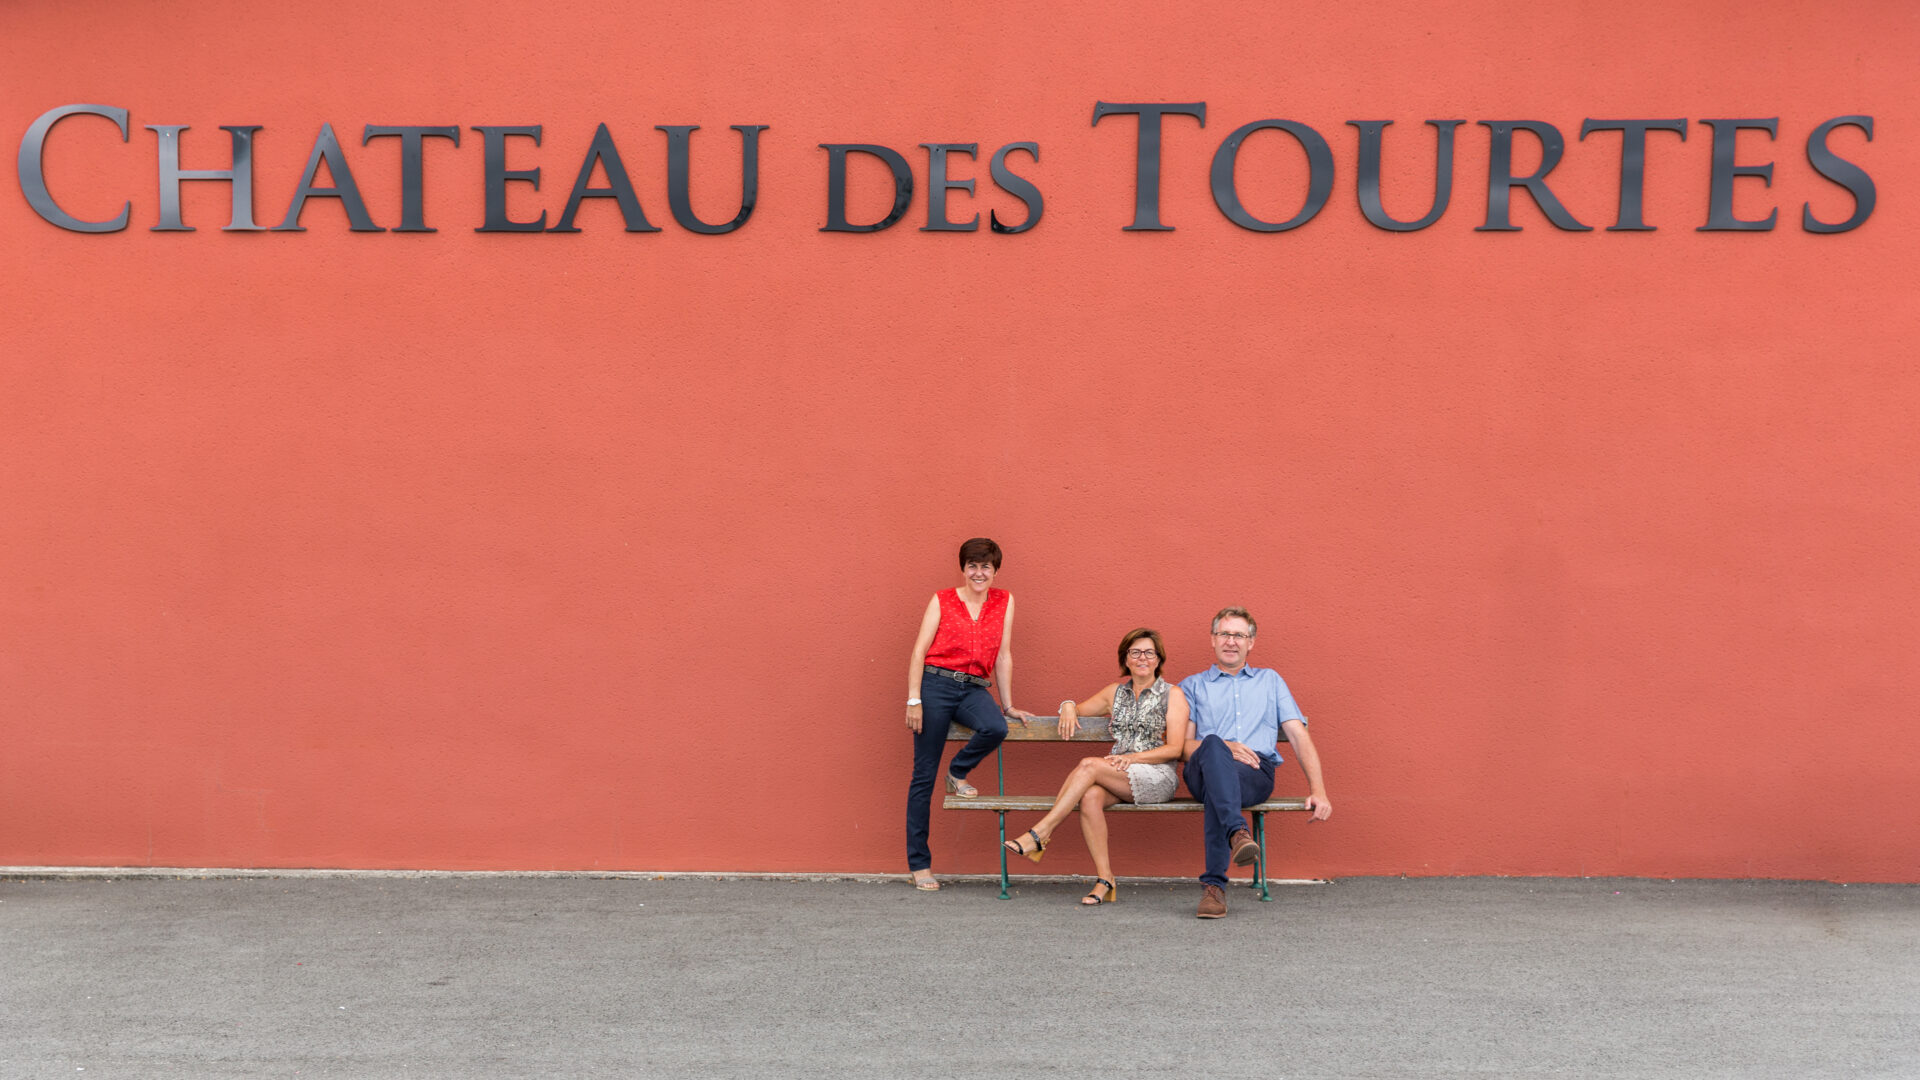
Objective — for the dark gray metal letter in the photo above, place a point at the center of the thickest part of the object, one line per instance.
(413, 217)
(938, 184)
(1720, 191)
(679, 156)
(497, 175)
(1840, 171)
(240, 175)
(1146, 162)
(1369, 183)
(1501, 181)
(33, 178)
(618, 188)
(1319, 176)
(1018, 186)
(837, 185)
(327, 147)
(1633, 164)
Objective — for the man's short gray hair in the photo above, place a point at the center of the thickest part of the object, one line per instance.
(1253, 628)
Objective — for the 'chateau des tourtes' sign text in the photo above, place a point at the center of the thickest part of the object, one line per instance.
(1149, 118)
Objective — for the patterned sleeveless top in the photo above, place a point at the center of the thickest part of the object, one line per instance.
(1139, 723)
(964, 643)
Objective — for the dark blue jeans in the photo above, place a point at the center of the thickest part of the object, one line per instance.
(1224, 787)
(943, 701)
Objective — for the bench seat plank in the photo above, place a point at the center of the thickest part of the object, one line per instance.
(983, 801)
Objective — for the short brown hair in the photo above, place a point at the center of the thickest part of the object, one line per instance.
(1159, 647)
(1253, 628)
(979, 549)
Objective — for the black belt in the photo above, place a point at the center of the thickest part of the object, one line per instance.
(958, 676)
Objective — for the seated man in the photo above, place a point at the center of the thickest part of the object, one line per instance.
(1238, 715)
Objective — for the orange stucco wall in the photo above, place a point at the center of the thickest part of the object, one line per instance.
(1587, 553)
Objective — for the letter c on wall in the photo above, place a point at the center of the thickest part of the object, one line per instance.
(33, 180)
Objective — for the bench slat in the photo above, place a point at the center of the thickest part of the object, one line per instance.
(1041, 802)
(1043, 729)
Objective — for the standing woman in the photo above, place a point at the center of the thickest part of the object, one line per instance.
(966, 633)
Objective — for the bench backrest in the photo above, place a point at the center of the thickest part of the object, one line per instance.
(1043, 729)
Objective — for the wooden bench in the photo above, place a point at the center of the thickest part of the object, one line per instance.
(1090, 729)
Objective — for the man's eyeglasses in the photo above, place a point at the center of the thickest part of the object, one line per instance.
(1233, 635)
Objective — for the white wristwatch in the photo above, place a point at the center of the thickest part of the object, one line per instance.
(912, 701)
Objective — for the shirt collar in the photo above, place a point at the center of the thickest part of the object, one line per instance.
(1214, 672)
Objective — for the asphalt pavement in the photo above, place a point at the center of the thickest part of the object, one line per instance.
(1376, 978)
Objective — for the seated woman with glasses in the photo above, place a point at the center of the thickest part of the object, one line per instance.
(1149, 730)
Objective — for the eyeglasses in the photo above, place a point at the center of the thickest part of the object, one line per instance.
(1142, 654)
(1233, 635)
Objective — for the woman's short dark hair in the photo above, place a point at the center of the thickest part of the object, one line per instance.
(980, 549)
(1159, 648)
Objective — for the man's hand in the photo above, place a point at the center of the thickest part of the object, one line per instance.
(1321, 806)
(1242, 754)
(913, 719)
(1021, 715)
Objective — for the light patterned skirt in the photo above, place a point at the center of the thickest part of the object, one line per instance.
(1152, 783)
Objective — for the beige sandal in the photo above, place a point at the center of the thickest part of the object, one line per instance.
(924, 884)
(957, 786)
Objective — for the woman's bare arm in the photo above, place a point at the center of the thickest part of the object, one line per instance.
(916, 664)
(1003, 669)
(1099, 704)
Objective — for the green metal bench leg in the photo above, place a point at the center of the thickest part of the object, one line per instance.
(1004, 880)
(1260, 865)
(1000, 765)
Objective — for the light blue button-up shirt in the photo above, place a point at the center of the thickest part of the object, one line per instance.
(1246, 708)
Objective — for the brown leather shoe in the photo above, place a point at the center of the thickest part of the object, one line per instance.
(1213, 903)
(1244, 849)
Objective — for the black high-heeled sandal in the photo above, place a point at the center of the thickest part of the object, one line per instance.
(1094, 899)
(1014, 846)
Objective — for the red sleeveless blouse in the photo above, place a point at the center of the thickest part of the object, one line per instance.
(963, 643)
